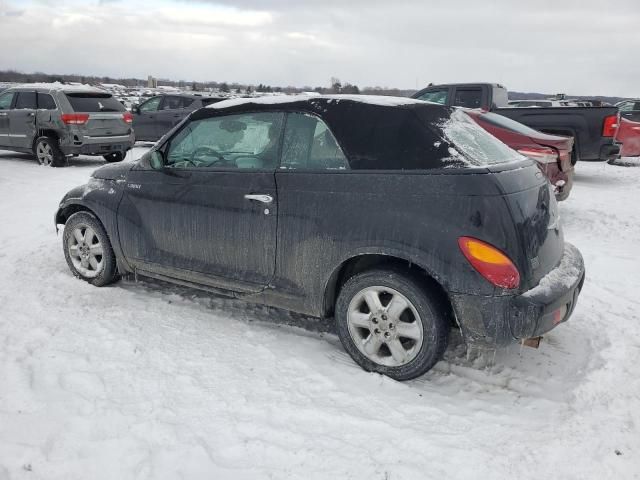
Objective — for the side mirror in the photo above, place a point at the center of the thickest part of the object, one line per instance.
(135, 109)
(156, 160)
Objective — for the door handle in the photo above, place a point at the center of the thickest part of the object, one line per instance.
(259, 198)
(3, 114)
(31, 114)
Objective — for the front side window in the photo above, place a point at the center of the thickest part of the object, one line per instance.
(151, 105)
(175, 103)
(468, 97)
(26, 100)
(248, 141)
(439, 95)
(5, 100)
(46, 102)
(309, 144)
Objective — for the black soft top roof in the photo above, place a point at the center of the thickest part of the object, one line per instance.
(373, 132)
(320, 105)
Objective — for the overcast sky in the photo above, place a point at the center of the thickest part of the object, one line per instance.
(583, 47)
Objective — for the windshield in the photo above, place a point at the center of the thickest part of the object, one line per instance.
(94, 102)
(474, 144)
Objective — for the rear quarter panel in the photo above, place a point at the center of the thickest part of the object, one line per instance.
(327, 218)
(628, 133)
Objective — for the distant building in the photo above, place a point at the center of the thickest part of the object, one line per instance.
(152, 82)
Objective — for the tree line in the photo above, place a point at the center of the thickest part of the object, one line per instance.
(335, 85)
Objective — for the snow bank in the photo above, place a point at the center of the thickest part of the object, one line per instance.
(143, 380)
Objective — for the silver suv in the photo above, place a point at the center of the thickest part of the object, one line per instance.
(54, 121)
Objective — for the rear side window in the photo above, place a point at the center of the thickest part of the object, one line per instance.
(45, 102)
(474, 145)
(468, 97)
(26, 100)
(94, 102)
(309, 144)
(439, 95)
(500, 97)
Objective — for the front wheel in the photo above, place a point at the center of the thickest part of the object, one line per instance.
(114, 157)
(87, 249)
(391, 323)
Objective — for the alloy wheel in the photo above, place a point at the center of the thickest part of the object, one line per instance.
(385, 326)
(44, 153)
(86, 252)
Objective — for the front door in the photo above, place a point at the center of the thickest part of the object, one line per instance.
(210, 214)
(144, 120)
(172, 111)
(22, 120)
(6, 100)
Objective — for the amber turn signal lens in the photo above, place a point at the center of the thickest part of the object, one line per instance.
(490, 262)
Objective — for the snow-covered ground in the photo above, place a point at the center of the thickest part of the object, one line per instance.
(148, 381)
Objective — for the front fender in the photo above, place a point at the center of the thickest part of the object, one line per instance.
(99, 196)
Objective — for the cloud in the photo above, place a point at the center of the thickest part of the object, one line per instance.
(572, 46)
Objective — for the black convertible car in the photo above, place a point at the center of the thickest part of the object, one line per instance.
(398, 217)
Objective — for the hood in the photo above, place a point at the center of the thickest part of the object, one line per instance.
(113, 171)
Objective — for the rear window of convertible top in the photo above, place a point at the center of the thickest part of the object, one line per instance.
(415, 138)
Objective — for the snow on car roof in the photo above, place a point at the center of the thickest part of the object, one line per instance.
(57, 86)
(278, 99)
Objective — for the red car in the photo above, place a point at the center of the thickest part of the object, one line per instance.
(628, 134)
(552, 153)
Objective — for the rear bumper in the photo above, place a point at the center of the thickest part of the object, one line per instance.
(502, 320)
(87, 145)
(609, 152)
(562, 181)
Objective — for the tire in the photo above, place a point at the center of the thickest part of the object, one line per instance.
(574, 155)
(421, 329)
(114, 157)
(48, 153)
(88, 251)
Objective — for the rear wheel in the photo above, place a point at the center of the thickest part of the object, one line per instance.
(390, 323)
(88, 250)
(114, 157)
(48, 153)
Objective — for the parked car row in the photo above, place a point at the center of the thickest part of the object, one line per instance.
(416, 221)
(592, 128)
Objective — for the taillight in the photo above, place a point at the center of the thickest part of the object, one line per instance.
(541, 154)
(127, 117)
(610, 126)
(74, 118)
(490, 262)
